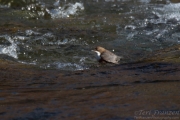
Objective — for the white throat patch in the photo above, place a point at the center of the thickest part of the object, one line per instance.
(98, 54)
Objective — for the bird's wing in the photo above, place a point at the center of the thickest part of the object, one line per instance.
(109, 57)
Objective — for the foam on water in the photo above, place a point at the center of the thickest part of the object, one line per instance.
(67, 66)
(170, 11)
(169, 15)
(70, 66)
(38, 9)
(160, 24)
(66, 10)
(9, 50)
(31, 32)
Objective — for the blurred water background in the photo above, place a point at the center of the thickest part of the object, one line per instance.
(59, 34)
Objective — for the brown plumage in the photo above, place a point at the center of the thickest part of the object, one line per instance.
(106, 55)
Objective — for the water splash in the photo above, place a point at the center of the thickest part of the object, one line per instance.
(66, 10)
(168, 12)
(40, 48)
(37, 9)
(9, 50)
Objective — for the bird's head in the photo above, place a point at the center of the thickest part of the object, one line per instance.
(100, 49)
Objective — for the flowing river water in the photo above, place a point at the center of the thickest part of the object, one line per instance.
(60, 34)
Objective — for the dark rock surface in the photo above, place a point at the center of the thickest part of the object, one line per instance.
(108, 93)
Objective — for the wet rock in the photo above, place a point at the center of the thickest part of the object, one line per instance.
(90, 94)
(171, 54)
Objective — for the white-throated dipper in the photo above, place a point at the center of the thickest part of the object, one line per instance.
(106, 55)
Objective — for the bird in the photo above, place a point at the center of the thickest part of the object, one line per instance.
(106, 56)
